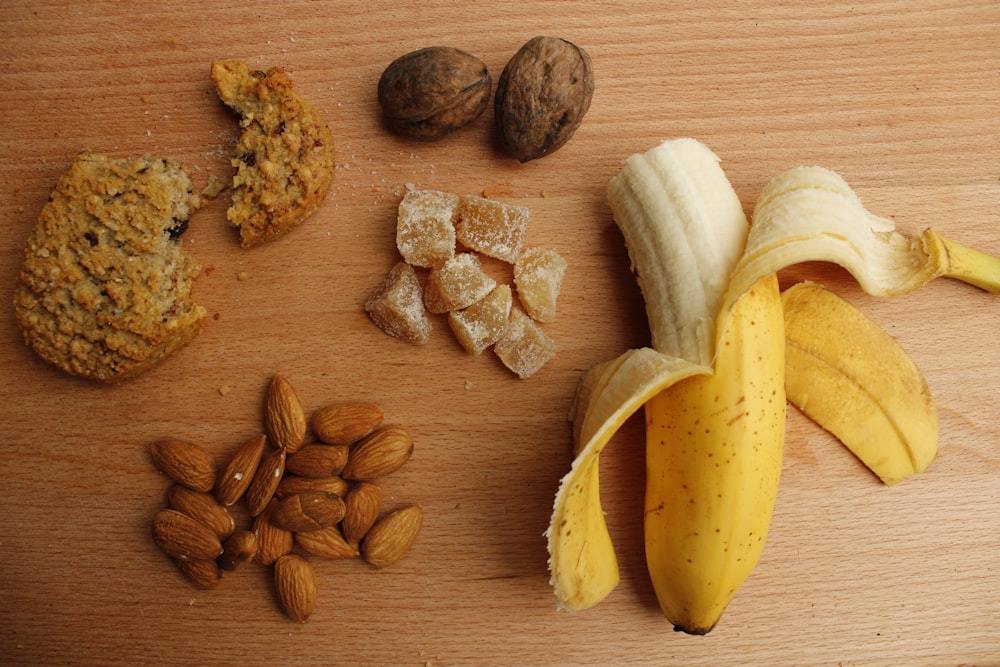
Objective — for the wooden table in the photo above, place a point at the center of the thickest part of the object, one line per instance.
(901, 98)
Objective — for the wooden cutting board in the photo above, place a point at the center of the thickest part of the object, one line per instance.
(901, 99)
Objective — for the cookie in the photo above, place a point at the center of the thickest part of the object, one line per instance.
(104, 290)
(284, 158)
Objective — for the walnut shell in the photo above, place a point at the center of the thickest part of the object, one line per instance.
(431, 92)
(542, 96)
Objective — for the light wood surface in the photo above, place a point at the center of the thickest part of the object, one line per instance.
(901, 98)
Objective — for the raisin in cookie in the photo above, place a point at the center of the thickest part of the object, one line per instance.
(104, 289)
(284, 157)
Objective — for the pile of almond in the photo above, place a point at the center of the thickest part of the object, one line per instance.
(314, 498)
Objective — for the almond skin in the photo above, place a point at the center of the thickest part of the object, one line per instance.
(235, 477)
(202, 507)
(184, 538)
(326, 543)
(308, 511)
(284, 420)
(265, 481)
(239, 549)
(295, 583)
(362, 505)
(392, 536)
(185, 463)
(272, 542)
(345, 423)
(292, 484)
(381, 453)
(317, 460)
(202, 573)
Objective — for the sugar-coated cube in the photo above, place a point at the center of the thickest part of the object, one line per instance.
(481, 324)
(538, 274)
(491, 227)
(524, 348)
(425, 229)
(397, 306)
(457, 283)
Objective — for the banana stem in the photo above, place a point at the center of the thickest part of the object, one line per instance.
(961, 262)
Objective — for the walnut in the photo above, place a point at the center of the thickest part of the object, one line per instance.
(542, 96)
(432, 92)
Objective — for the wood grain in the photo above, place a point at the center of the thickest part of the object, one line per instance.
(900, 98)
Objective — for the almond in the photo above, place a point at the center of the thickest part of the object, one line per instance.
(202, 573)
(272, 542)
(185, 463)
(317, 460)
(203, 507)
(284, 420)
(381, 453)
(295, 583)
(345, 423)
(308, 511)
(238, 472)
(362, 505)
(392, 536)
(265, 481)
(326, 543)
(183, 537)
(239, 549)
(292, 484)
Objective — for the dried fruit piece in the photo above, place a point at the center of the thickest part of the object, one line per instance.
(481, 324)
(265, 481)
(432, 92)
(202, 573)
(456, 284)
(272, 542)
(362, 505)
(295, 583)
(238, 472)
(345, 423)
(381, 453)
(392, 536)
(317, 460)
(238, 550)
(183, 537)
(397, 306)
(524, 348)
(538, 275)
(542, 96)
(491, 227)
(425, 227)
(284, 420)
(308, 511)
(326, 543)
(202, 507)
(292, 484)
(185, 463)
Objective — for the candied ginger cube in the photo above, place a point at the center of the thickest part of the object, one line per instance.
(538, 275)
(425, 229)
(481, 324)
(524, 348)
(397, 306)
(457, 283)
(491, 227)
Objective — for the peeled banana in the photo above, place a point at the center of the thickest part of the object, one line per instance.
(713, 382)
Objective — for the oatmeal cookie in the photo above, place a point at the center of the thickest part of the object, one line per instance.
(104, 289)
(284, 158)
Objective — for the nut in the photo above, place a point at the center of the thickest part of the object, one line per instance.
(432, 92)
(316, 460)
(265, 481)
(392, 536)
(295, 583)
(308, 511)
(184, 538)
(202, 573)
(185, 463)
(326, 543)
(272, 542)
(292, 484)
(542, 95)
(362, 505)
(345, 423)
(284, 420)
(238, 472)
(202, 507)
(239, 549)
(381, 453)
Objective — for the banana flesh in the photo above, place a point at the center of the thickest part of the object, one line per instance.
(848, 375)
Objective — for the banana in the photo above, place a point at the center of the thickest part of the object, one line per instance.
(713, 381)
(848, 375)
